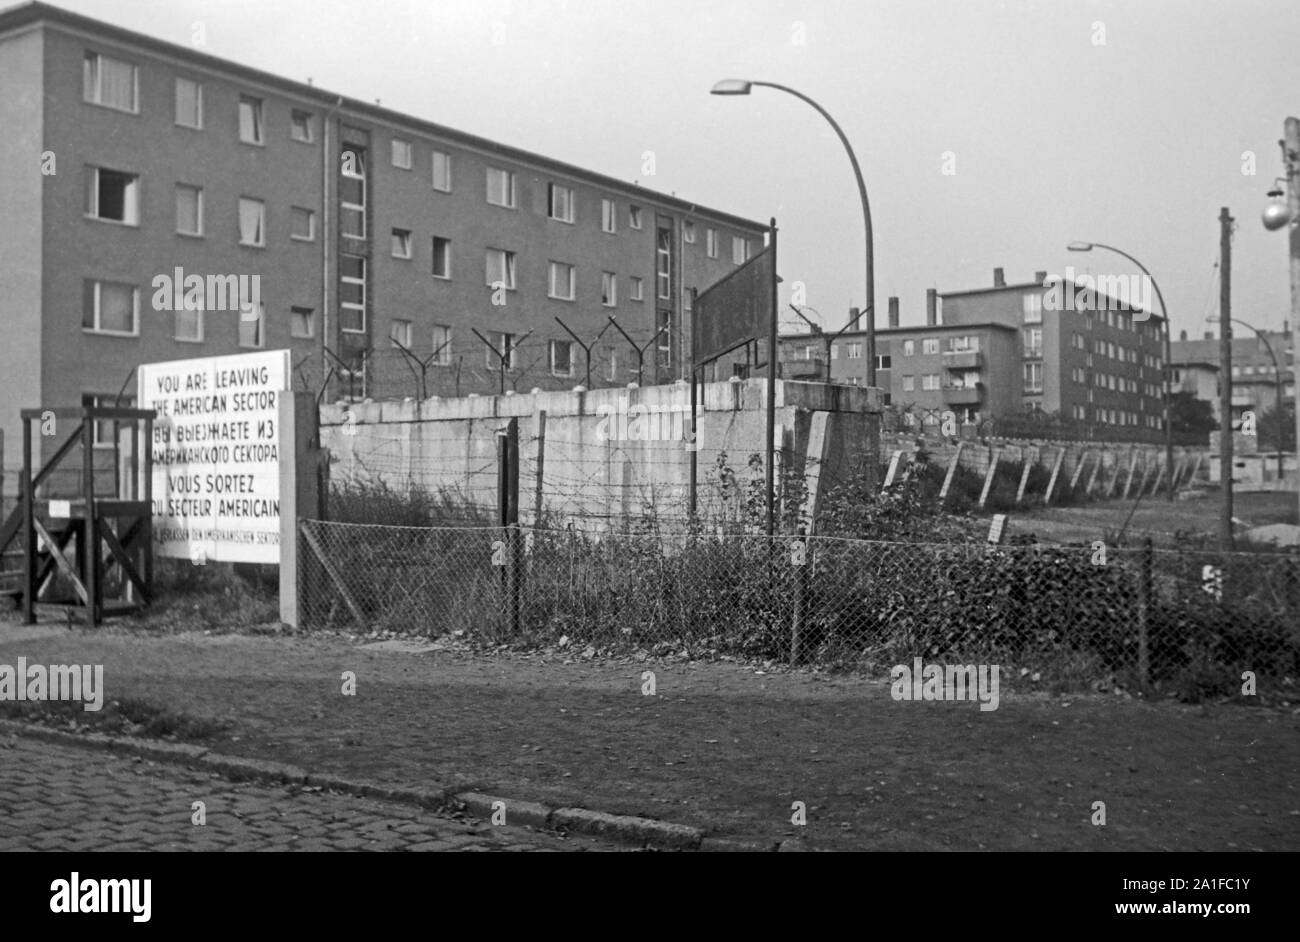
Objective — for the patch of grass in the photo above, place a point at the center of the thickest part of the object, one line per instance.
(125, 717)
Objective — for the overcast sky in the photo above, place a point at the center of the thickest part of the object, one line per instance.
(1136, 142)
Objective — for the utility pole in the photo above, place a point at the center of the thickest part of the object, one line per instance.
(1291, 154)
(1225, 375)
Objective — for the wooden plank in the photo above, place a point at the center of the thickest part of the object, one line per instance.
(123, 560)
(1056, 470)
(56, 554)
(995, 453)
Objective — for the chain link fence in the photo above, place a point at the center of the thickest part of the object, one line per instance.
(1069, 617)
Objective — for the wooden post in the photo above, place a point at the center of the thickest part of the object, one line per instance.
(1144, 615)
(88, 544)
(539, 462)
(1132, 466)
(1078, 470)
(1056, 470)
(893, 469)
(1149, 461)
(952, 472)
(29, 527)
(299, 422)
(1200, 457)
(995, 453)
(1096, 469)
(1024, 474)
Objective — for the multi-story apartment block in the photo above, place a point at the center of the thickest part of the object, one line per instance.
(1196, 368)
(989, 352)
(329, 226)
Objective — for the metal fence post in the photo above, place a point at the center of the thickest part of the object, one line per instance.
(1145, 607)
(508, 509)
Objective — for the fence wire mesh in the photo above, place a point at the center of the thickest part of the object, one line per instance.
(1067, 616)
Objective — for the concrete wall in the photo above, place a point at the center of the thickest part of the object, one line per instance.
(597, 468)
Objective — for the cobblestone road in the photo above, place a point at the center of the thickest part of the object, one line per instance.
(62, 798)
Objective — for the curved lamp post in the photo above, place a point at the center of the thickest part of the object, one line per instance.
(743, 87)
(1164, 313)
(1277, 376)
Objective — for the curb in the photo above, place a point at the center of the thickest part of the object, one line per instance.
(645, 832)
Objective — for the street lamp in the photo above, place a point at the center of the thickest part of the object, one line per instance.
(743, 87)
(1164, 313)
(1277, 375)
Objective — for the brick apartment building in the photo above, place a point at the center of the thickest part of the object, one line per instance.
(129, 158)
(997, 351)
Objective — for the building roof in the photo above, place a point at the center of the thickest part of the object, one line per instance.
(28, 14)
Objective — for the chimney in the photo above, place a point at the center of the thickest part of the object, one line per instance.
(931, 307)
(893, 312)
(999, 280)
(1040, 277)
(854, 314)
(1182, 335)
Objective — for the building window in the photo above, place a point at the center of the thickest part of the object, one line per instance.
(442, 171)
(562, 357)
(441, 345)
(110, 82)
(883, 361)
(562, 281)
(634, 217)
(688, 232)
(189, 104)
(113, 195)
(302, 224)
(441, 257)
(500, 268)
(664, 265)
(352, 192)
(1033, 308)
(1033, 377)
(559, 202)
(711, 242)
(930, 346)
(401, 333)
(611, 358)
(930, 381)
(909, 347)
(1033, 338)
(188, 324)
(637, 292)
(663, 343)
(504, 345)
(401, 154)
(104, 432)
(402, 243)
(739, 250)
(352, 294)
(500, 187)
(250, 119)
(302, 322)
(302, 126)
(608, 216)
(909, 383)
(965, 344)
(608, 289)
(835, 351)
(252, 322)
(110, 308)
(855, 351)
(252, 222)
(189, 210)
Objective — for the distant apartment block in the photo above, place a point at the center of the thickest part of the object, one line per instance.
(1196, 368)
(129, 158)
(997, 351)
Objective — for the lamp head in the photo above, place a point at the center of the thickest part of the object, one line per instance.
(731, 87)
(1276, 214)
(1079, 247)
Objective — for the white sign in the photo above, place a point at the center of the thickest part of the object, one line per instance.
(216, 455)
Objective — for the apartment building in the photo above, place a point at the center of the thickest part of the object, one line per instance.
(1006, 349)
(313, 222)
(1196, 367)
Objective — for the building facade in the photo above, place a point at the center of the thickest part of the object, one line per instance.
(1009, 349)
(164, 204)
(1256, 364)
